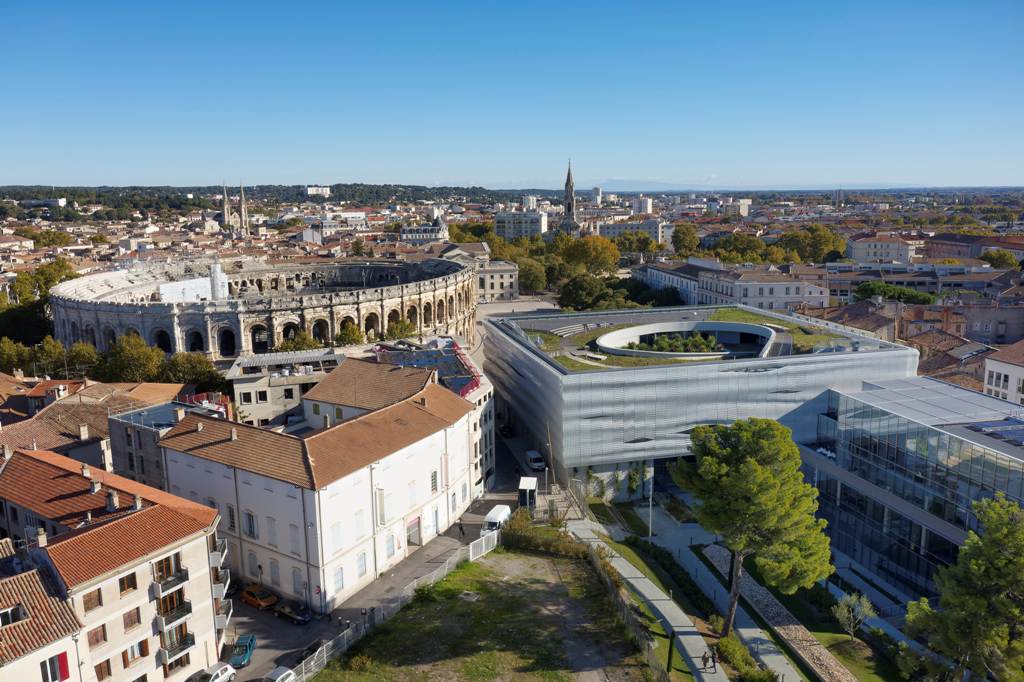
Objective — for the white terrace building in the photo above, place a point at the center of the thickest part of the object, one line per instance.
(316, 518)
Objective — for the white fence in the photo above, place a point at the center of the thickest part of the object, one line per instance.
(334, 648)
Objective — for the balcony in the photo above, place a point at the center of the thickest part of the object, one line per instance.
(220, 585)
(172, 652)
(166, 621)
(223, 615)
(170, 582)
(218, 553)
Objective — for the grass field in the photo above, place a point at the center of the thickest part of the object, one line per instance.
(536, 618)
(804, 341)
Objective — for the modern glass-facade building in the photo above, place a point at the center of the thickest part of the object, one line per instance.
(590, 410)
(898, 464)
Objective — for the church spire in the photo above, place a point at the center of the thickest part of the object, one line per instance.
(243, 215)
(569, 223)
(225, 207)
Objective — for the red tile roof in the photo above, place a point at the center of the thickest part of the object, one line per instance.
(53, 486)
(49, 617)
(93, 551)
(324, 456)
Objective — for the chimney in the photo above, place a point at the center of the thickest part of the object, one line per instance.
(8, 452)
(94, 486)
(199, 427)
(83, 432)
(137, 503)
(234, 433)
(85, 471)
(41, 536)
(88, 516)
(112, 502)
(179, 414)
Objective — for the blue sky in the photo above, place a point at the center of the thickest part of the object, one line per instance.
(758, 94)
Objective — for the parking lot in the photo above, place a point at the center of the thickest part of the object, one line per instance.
(279, 641)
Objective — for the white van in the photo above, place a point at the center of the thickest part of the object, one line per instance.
(495, 519)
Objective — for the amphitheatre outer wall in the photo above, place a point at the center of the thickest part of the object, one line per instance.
(263, 305)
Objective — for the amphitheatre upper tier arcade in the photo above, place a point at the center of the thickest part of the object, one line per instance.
(231, 308)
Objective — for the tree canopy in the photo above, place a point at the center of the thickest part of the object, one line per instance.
(685, 240)
(349, 335)
(891, 292)
(302, 340)
(1001, 259)
(596, 255)
(979, 622)
(751, 491)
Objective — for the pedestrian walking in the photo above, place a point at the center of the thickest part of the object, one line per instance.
(704, 661)
(462, 531)
(714, 661)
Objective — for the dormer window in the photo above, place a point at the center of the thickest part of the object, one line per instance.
(12, 614)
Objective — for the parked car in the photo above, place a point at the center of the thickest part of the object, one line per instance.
(293, 611)
(280, 674)
(242, 650)
(259, 597)
(313, 647)
(535, 460)
(218, 672)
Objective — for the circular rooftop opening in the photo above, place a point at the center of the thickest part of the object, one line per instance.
(703, 340)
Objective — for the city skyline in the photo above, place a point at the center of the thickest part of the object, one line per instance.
(742, 97)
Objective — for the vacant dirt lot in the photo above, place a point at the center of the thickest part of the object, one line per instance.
(535, 617)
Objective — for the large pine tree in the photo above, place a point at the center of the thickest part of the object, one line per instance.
(751, 492)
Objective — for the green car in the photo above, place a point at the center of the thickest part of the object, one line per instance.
(241, 652)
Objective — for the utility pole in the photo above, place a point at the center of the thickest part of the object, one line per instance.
(650, 512)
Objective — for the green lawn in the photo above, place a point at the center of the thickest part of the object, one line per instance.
(514, 630)
(601, 510)
(634, 523)
(549, 342)
(584, 338)
(804, 341)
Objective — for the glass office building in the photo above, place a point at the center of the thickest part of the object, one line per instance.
(898, 465)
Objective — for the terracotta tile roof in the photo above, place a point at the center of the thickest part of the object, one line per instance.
(56, 427)
(323, 456)
(40, 389)
(49, 617)
(91, 552)
(53, 487)
(261, 451)
(1012, 354)
(369, 385)
(352, 445)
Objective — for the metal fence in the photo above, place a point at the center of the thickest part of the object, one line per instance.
(334, 648)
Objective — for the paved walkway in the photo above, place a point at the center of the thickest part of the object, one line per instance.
(688, 639)
(677, 538)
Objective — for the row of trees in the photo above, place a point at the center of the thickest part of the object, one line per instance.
(130, 359)
(348, 335)
(588, 292)
(891, 292)
(677, 343)
(751, 492)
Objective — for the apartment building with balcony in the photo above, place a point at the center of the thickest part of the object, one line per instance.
(318, 516)
(142, 570)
